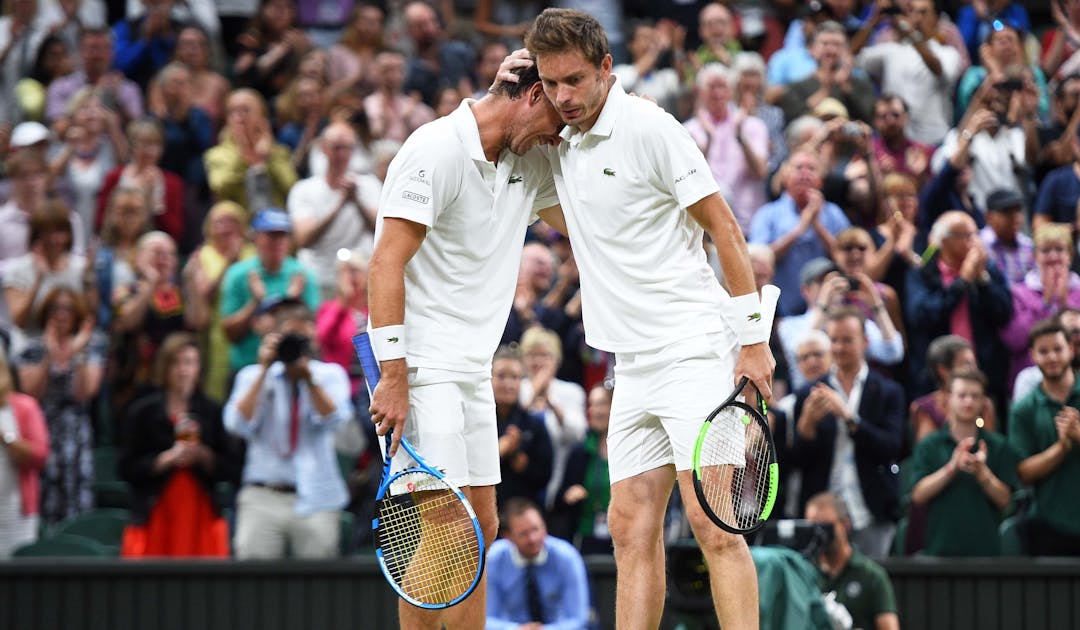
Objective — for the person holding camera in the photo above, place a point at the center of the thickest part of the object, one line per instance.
(860, 585)
(287, 407)
(825, 290)
(919, 66)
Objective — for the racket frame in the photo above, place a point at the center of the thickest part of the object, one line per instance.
(362, 344)
(757, 416)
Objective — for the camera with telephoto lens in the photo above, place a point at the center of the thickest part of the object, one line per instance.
(291, 347)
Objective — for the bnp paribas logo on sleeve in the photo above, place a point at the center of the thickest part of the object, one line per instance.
(514, 179)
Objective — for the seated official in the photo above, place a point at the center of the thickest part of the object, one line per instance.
(534, 580)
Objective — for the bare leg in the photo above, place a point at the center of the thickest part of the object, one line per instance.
(472, 611)
(731, 569)
(636, 521)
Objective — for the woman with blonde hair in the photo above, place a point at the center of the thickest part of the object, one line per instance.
(225, 231)
(127, 217)
(561, 403)
(247, 165)
(23, 450)
(1047, 289)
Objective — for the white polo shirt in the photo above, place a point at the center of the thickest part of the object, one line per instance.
(460, 284)
(624, 184)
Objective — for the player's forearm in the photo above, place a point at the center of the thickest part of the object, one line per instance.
(1034, 468)
(716, 217)
(994, 488)
(386, 293)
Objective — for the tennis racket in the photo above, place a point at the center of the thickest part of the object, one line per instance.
(427, 537)
(735, 473)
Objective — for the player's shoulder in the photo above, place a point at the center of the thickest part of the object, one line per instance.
(434, 140)
(644, 118)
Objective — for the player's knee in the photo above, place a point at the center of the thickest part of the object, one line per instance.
(631, 527)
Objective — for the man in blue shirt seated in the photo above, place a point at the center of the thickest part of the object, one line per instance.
(534, 580)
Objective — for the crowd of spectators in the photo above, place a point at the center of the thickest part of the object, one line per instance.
(190, 192)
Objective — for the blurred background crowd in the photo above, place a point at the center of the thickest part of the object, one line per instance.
(183, 180)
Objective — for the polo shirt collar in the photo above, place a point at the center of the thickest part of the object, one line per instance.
(605, 122)
(464, 122)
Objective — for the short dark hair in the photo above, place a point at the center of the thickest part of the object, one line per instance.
(560, 30)
(290, 309)
(1059, 89)
(527, 77)
(942, 353)
(53, 216)
(840, 313)
(890, 97)
(1043, 328)
(78, 303)
(828, 26)
(972, 375)
(514, 508)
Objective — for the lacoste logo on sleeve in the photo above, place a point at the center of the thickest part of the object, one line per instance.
(685, 175)
(515, 179)
(609, 172)
(411, 196)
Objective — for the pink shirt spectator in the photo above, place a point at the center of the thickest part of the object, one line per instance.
(960, 321)
(31, 423)
(397, 118)
(744, 192)
(335, 325)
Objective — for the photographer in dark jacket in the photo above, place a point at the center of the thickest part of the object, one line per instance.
(175, 450)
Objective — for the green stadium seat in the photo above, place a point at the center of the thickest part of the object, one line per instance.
(104, 525)
(64, 546)
(348, 527)
(109, 490)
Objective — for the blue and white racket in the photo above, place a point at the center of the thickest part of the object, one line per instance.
(427, 538)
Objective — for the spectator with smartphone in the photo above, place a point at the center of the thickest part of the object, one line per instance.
(1001, 48)
(825, 290)
(287, 407)
(964, 475)
(919, 66)
(1044, 427)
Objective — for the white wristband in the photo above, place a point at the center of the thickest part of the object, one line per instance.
(388, 342)
(748, 320)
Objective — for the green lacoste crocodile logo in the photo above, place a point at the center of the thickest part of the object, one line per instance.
(391, 339)
(609, 172)
(515, 179)
(753, 317)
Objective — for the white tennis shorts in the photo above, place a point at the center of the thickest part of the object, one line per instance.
(451, 424)
(662, 397)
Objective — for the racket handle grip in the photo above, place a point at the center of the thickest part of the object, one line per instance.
(370, 366)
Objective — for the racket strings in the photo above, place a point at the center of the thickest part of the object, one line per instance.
(735, 458)
(428, 541)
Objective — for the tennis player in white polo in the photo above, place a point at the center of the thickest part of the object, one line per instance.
(636, 194)
(452, 218)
